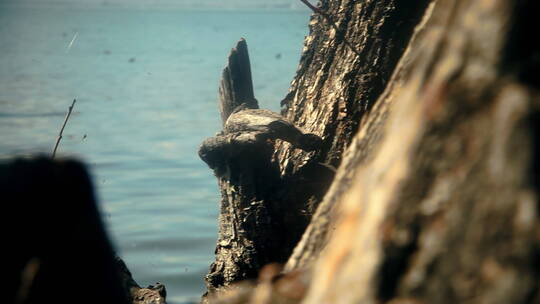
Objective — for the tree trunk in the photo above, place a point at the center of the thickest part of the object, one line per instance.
(249, 220)
(435, 197)
(284, 189)
(445, 210)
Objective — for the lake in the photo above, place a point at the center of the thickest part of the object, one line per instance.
(146, 87)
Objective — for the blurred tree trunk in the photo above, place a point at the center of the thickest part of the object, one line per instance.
(59, 249)
(435, 138)
(436, 200)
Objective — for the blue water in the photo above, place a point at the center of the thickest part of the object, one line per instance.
(138, 124)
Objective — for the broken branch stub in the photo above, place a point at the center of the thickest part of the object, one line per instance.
(236, 85)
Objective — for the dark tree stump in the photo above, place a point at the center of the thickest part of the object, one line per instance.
(250, 224)
(253, 228)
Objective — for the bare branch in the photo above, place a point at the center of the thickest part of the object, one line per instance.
(63, 126)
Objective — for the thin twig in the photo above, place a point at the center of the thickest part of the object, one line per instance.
(328, 18)
(62, 129)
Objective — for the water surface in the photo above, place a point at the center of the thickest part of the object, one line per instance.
(146, 89)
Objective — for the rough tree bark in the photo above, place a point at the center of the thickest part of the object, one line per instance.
(249, 221)
(283, 185)
(152, 294)
(435, 200)
(444, 209)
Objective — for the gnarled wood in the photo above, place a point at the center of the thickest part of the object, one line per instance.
(251, 229)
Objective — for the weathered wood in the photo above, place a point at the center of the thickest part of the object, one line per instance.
(152, 294)
(249, 127)
(236, 87)
(436, 199)
(299, 179)
(332, 95)
(335, 87)
(251, 230)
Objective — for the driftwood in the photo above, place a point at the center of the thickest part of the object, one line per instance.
(236, 85)
(245, 176)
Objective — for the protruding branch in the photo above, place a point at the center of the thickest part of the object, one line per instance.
(236, 85)
(63, 126)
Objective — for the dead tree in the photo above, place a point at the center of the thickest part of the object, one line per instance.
(435, 196)
(270, 189)
(252, 231)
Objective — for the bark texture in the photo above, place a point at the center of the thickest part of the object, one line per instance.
(443, 209)
(251, 229)
(335, 87)
(436, 196)
(269, 191)
(152, 294)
